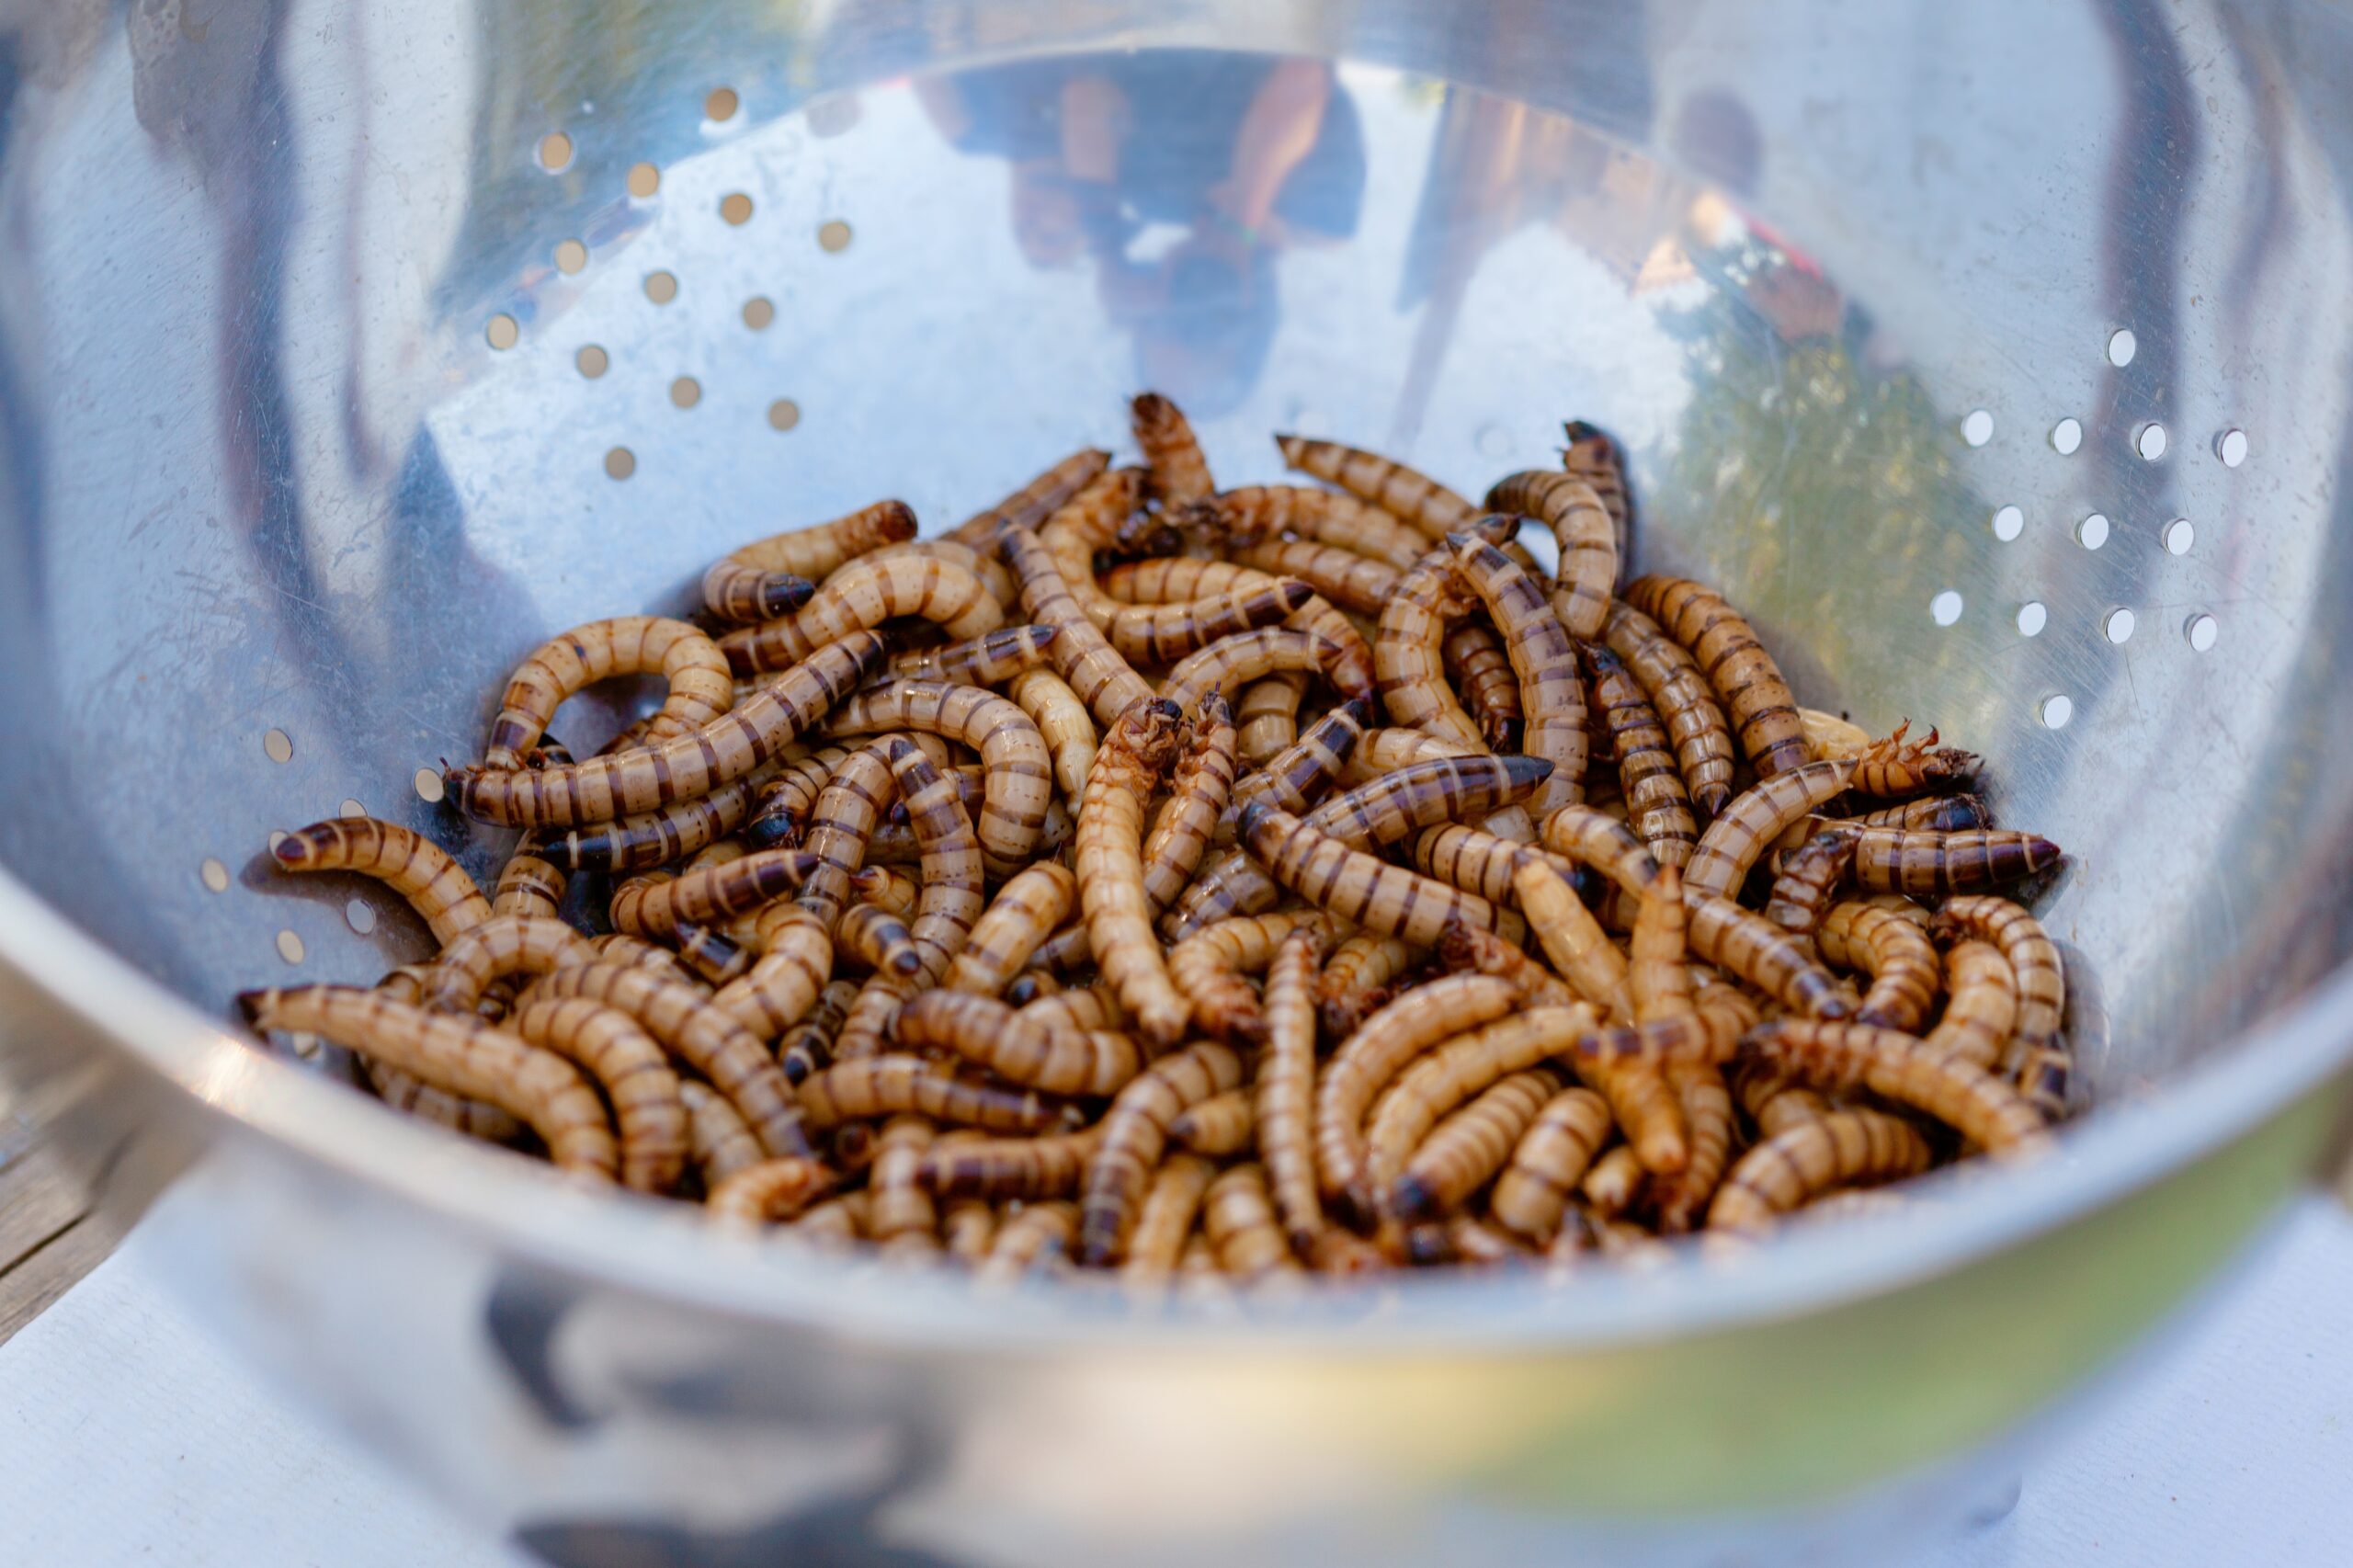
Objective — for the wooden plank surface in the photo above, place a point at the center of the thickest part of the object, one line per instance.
(45, 1243)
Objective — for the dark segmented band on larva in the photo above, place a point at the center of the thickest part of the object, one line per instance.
(1551, 694)
(2042, 1063)
(1594, 456)
(1107, 858)
(1585, 534)
(1464, 1152)
(1251, 515)
(990, 659)
(1756, 818)
(1764, 714)
(1357, 886)
(498, 947)
(1408, 650)
(1209, 969)
(1658, 802)
(1135, 1131)
(1103, 680)
(889, 1085)
(1684, 701)
(1346, 578)
(776, 575)
(1845, 1148)
(1162, 634)
(683, 769)
(1895, 768)
(1019, 782)
(1893, 859)
(1809, 880)
(985, 1031)
(1180, 474)
(1294, 777)
(633, 1074)
(1010, 1168)
(1458, 1070)
(1198, 793)
(412, 866)
(1895, 952)
(1532, 1193)
(1843, 1056)
(1026, 909)
(1474, 660)
(1171, 580)
(1383, 482)
(1238, 1217)
(1753, 949)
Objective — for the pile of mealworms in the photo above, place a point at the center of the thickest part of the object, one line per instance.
(1181, 881)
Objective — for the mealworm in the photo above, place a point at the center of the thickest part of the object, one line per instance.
(990, 659)
(1176, 579)
(1266, 717)
(2040, 1063)
(1453, 1072)
(1025, 911)
(1895, 767)
(1374, 814)
(786, 802)
(1037, 1237)
(1166, 1219)
(1573, 939)
(1375, 1053)
(1756, 818)
(1180, 474)
(766, 1193)
(995, 578)
(498, 947)
(682, 768)
(1382, 481)
(886, 888)
(1843, 1056)
(1584, 531)
(1934, 813)
(1135, 753)
(1755, 950)
(700, 1033)
(1790, 1168)
(1809, 880)
(1596, 839)
(700, 686)
(1356, 886)
(1251, 514)
(1684, 701)
(657, 907)
(622, 1060)
(1462, 1152)
(1473, 659)
(1104, 681)
(1708, 1121)
(1533, 1191)
(888, 1086)
(403, 1092)
(1895, 953)
(808, 1044)
(1659, 804)
(1981, 1006)
(1285, 1101)
(775, 575)
(967, 1225)
(1063, 723)
(458, 1055)
(1035, 501)
(1552, 695)
(1594, 457)
(1294, 777)
(1775, 1101)
(1408, 657)
(1198, 793)
(1135, 1131)
(862, 595)
(1342, 577)
(1225, 665)
(985, 1030)
(1614, 1183)
(833, 1222)
(614, 948)
(1238, 1217)
(1003, 1168)
(1894, 859)
(1160, 635)
(718, 1139)
(951, 898)
(528, 883)
(1356, 979)
(796, 960)
(1764, 714)
(902, 1213)
(1220, 1126)
(710, 955)
(1094, 1007)
(1657, 978)
(1020, 778)
(1208, 967)
(878, 940)
(1093, 521)
(421, 871)
(1475, 860)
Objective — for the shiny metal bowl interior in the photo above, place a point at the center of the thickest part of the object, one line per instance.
(1995, 359)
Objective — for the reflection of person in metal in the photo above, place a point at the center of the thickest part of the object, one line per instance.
(1241, 159)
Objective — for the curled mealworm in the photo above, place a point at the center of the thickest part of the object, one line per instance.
(1063, 723)
(1457, 1070)
(1208, 968)
(1842, 1149)
(1981, 1006)
(1356, 886)
(1894, 859)
(421, 871)
(776, 575)
(796, 960)
(1893, 951)
(1199, 791)
(1684, 701)
(1295, 775)
(1135, 1132)
(1284, 1104)
(682, 768)
(1222, 1124)
(808, 1044)
(1659, 804)
(993, 577)
(529, 883)
(1902, 1067)
(990, 659)
(1463, 1151)
(1809, 880)
(2039, 1057)
(1103, 680)
(1020, 778)
(886, 888)
(1026, 910)
(1225, 665)
(1756, 818)
(951, 897)
(985, 1030)
(635, 1074)
(1136, 751)
(771, 1191)
(1031, 505)
(1475, 860)
(1376, 1053)
(498, 947)
(1358, 978)
(1251, 513)
(1594, 457)
(888, 1086)
(460, 1055)
(700, 686)
(1166, 1219)
(1552, 1156)
(1408, 650)
(1400, 490)
(862, 595)
(786, 803)
(1473, 658)
(1764, 714)
(1551, 696)
(1585, 534)
(406, 1092)
(1895, 767)
(1266, 717)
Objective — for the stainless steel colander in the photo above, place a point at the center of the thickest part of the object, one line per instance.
(1995, 357)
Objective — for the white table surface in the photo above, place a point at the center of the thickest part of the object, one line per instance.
(127, 1435)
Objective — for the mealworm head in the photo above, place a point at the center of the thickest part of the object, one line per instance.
(253, 1004)
(782, 594)
(1525, 773)
(1412, 1199)
(1360, 711)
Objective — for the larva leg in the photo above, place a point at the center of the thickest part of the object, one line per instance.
(1895, 768)
(1791, 1167)
(1135, 753)
(1764, 714)
(701, 685)
(421, 871)
(1135, 1132)
(460, 1055)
